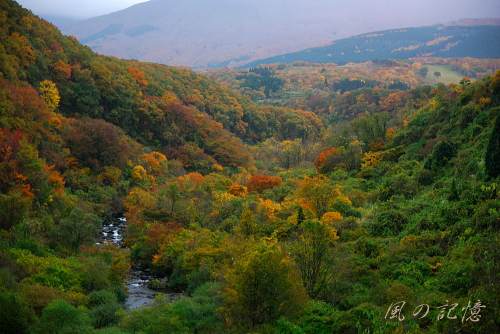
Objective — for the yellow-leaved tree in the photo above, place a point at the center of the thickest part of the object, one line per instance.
(50, 94)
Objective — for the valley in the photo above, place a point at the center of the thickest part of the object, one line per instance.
(295, 197)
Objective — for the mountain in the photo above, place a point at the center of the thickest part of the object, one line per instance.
(476, 22)
(61, 22)
(467, 40)
(131, 184)
(218, 33)
(170, 109)
(192, 33)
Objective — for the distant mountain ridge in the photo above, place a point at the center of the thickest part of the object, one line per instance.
(468, 40)
(191, 33)
(476, 22)
(220, 33)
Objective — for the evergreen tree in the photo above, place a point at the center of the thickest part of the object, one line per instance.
(300, 216)
(493, 151)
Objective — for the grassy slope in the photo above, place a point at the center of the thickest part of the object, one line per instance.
(448, 75)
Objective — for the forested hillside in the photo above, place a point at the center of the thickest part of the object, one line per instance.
(262, 219)
(436, 41)
(400, 206)
(340, 92)
(169, 108)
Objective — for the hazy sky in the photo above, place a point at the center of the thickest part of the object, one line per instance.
(426, 10)
(77, 8)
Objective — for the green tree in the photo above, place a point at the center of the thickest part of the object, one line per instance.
(300, 216)
(265, 286)
(59, 317)
(104, 306)
(170, 196)
(14, 316)
(311, 253)
(492, 159)
(79, 227)
(423, 71)
(14, 209)
(441, 155)
(371, 129)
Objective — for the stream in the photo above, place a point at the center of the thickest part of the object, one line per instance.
(139, 294)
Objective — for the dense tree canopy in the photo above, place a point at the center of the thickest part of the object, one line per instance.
(260, 217)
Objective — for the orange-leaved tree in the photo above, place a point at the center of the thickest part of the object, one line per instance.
(328, 159)
(259, 183)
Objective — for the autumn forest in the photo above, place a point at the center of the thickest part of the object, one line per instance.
(294, 198)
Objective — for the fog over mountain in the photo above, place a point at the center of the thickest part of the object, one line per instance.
(201, 33)
(71, 10)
